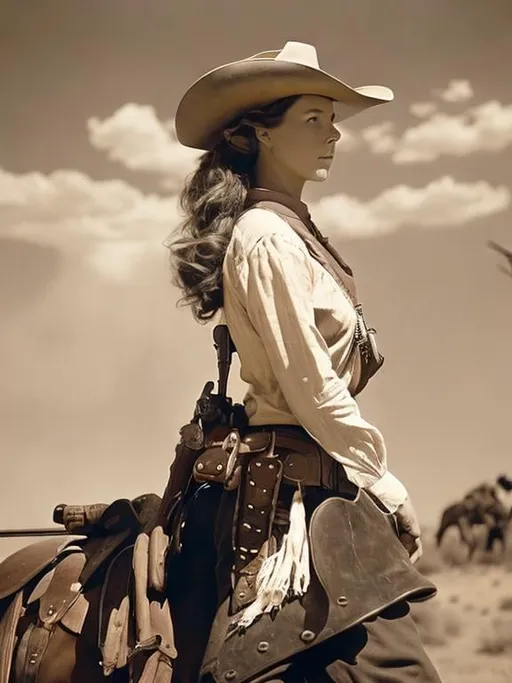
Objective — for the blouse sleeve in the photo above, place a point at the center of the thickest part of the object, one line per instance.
(280, 307)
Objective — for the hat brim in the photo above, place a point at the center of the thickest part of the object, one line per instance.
(221, 95)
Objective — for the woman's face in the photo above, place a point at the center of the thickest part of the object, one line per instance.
(304, 143)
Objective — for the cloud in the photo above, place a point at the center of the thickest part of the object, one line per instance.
(348, 140)
(458, 90)
(27, 270)
(115, 227)
(442, 203)
(380, 137)
(112, 223)
(117, 259)
(136, 138)
(486, 128)
(422, 109)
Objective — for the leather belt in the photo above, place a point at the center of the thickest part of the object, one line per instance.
(304, 460)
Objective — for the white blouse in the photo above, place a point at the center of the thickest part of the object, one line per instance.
(292, 326)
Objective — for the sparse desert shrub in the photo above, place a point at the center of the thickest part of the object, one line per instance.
(506, 604)
(453, 552)
(453, 623)
(507, 555)
(497, 639)
(427, 617)
(436, 624)
(487, 558)
(431, 561)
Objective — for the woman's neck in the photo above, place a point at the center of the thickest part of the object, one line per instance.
(271, 178)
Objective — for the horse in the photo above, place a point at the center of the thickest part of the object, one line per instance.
(484, 505)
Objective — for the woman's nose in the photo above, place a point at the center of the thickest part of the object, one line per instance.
(334, 135)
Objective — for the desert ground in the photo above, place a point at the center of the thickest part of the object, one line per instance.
(467, 627)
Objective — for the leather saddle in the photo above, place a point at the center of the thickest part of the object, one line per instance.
(50, 576)
(119, 524)
(100, 519)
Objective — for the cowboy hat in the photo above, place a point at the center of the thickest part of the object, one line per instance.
(218, 97)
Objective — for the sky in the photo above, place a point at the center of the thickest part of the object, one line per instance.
(98, 367)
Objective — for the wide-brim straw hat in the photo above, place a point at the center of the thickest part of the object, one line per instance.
(223, 94)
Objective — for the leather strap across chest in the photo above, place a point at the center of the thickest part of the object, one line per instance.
(299, 219)
(296, 214)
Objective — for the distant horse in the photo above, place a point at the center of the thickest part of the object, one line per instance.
(484, 505)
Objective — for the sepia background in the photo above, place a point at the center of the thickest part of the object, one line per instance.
(98, 368)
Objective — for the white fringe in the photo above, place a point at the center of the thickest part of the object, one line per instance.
(284, 573)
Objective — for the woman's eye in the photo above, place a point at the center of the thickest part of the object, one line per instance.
(313, 118)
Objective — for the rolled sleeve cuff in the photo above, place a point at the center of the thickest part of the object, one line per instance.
(390, 491)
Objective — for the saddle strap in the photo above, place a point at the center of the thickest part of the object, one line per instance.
(63, 589)
(158, 669)
(113, 646)
(135, 617)
(8, 624)
(32, 649)
(157, 552)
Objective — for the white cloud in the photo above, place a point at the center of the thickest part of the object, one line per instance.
(443, 202)
(380, 137)
(117, 259)
(114, 226)
(486, 128)
(111, 221)
(458, 90)
(422, 109)
(348, 140)
(136, 138)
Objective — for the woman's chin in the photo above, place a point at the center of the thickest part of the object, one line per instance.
(319, 175)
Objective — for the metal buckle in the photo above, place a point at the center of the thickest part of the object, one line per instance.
(231, 445)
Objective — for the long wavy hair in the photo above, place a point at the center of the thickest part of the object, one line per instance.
(212, 199)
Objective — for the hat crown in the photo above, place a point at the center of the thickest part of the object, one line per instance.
(294, 52)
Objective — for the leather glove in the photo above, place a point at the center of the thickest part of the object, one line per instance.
(409, 531)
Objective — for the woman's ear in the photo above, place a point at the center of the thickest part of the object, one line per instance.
(263, 135)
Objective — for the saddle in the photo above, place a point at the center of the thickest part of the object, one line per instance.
(49, 579)
(107, 527)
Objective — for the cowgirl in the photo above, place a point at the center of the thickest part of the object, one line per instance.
(317, 588)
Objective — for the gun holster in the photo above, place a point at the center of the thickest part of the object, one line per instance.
(222, 459)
